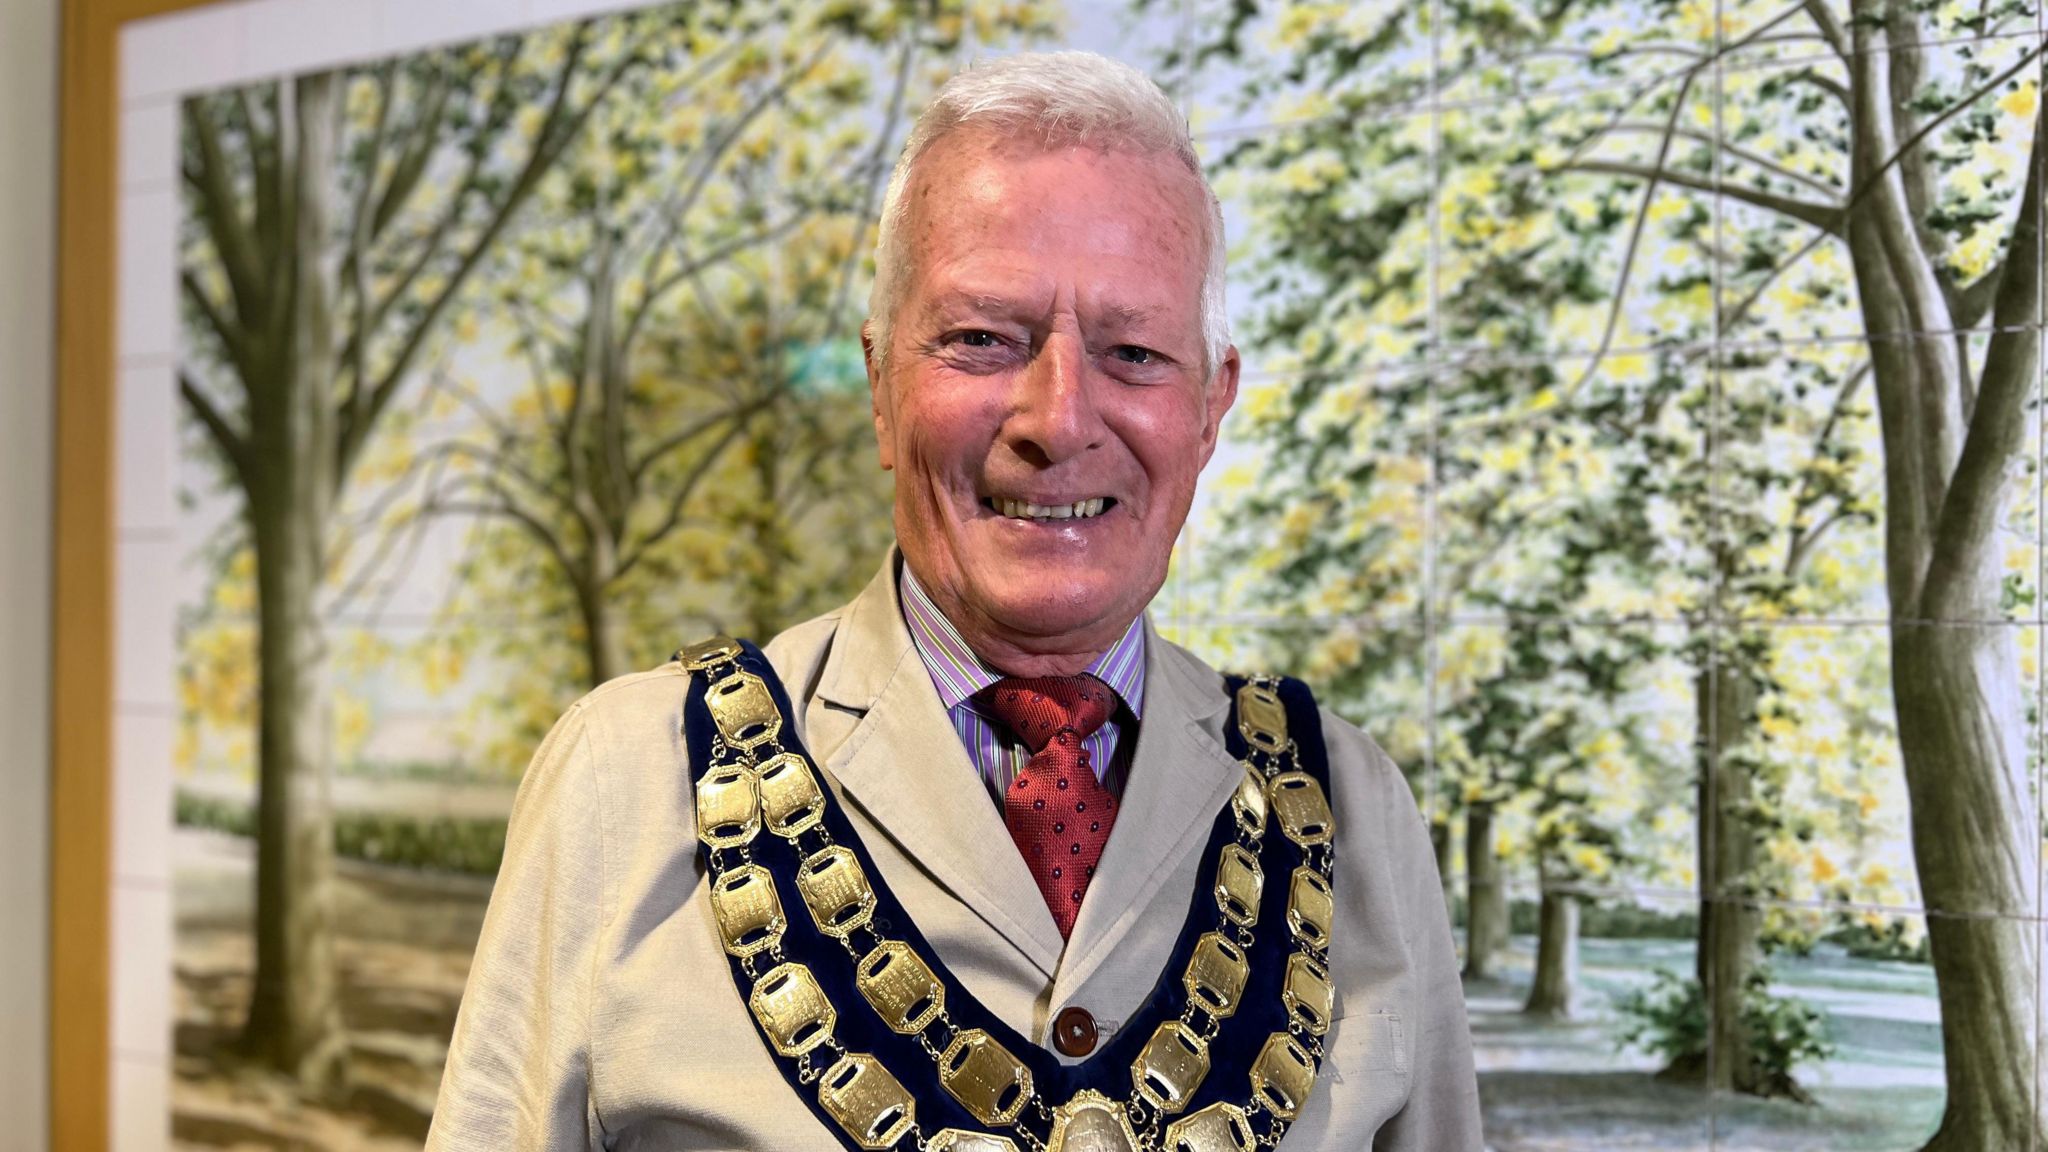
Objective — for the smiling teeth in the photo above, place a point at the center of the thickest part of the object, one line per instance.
(1077, 511)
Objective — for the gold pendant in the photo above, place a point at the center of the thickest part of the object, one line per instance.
(728, 813)
(791, 802)
(1262, 718)
(1171, 1066)
(743, 710)
(984, 1077)
(1091, 1122)
(748, 911)
(1310, 907)
(1308, 995)
(1283, 1075)
(1301, 808)
(792, 1009)
(900, 986)
(872, 1105)
(1217, 1128)
(956, 1140)
(1216, 974)
(836, 890)
(1239, 881)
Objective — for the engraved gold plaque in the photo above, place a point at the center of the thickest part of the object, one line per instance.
(1091, 1122)
(1301, 808)
(867, 1101)
(790, 800)
(1217, 1128)
(706, 653)
(900, 986)
(1170, 1067)
(728, 813)
(1249, 803)
(1216, 974)
(1262, 718)
(1308, 995)
(1310, 907)
(1238, 884)
(743, 710)
(748, 911)
(984, 1077)
(955, 1140)
(836, 890)
(792, 1009)
(1282, 1076)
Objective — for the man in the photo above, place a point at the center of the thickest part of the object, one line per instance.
(1049, 364)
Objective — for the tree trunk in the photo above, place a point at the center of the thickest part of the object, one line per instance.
(1557, 957)
(1976, 845)
(294, 1017)
(1486, 896)
(1440, 840)
(1949, 444)
(763, 590)
(603, 648)
(1729, 919)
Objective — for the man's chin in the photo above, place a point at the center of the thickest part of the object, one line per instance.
(1049, 609)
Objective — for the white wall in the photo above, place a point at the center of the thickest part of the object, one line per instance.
(28, 186)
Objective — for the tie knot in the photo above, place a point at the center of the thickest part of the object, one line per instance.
(1038, 708)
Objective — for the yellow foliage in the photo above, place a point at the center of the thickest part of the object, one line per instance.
(2021, 101)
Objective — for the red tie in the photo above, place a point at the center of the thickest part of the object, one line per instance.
(1057, 811)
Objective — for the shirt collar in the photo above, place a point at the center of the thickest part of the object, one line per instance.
(958, 673)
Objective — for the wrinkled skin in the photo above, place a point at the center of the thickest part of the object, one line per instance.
(1048, 348)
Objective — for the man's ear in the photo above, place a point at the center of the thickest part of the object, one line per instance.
(878, 394)
(1217, 396)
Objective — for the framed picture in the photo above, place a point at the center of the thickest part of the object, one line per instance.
(1640, 435)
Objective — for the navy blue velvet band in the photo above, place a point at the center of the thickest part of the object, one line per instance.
(1108, 1069)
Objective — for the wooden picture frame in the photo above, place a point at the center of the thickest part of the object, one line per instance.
(83, 632)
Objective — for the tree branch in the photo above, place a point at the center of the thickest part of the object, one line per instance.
(232, 443)
(218, 209)
(558, 128)
(1826, 217)
(630, 558)
(1998, 426)
(233, 341)
(1638, 128)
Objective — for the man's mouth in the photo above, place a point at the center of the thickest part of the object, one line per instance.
(1025, 510)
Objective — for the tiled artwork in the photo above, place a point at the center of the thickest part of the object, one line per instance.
(1640, 435)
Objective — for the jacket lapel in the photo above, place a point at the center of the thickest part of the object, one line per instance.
(879, 729)
(1180, 777)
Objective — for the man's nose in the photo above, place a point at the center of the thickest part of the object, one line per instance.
(1053, 416)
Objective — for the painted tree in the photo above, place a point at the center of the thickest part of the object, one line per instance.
(691, 405)
(332, 222)
(1850, 164)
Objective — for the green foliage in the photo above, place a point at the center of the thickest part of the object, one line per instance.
(1887, 939)
(442, 843)
(1668, 1019)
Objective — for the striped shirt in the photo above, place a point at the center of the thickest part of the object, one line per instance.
(958, 674)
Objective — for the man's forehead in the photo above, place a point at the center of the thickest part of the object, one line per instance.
(1099, 302)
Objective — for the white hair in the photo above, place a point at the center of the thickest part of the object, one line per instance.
(1061, 98)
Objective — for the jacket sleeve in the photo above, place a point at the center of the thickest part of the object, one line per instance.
(518, 1071)
(1442, 1113)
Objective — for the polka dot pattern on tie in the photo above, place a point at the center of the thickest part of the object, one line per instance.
(1052, 715)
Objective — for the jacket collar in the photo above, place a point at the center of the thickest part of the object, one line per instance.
(903, 763)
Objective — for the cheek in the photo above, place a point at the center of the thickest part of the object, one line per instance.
(1166, 437)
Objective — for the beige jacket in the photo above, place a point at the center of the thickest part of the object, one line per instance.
(600, 1011)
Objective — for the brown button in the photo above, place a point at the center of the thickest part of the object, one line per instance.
(1073, 1031)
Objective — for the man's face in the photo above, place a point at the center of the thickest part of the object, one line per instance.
(1043, 399)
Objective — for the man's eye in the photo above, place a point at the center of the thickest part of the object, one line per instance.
(979, 339)
(1132, 354)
